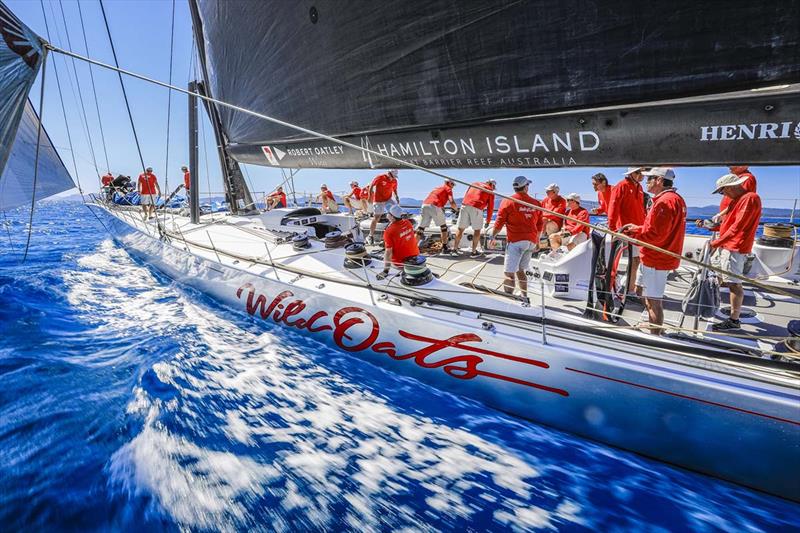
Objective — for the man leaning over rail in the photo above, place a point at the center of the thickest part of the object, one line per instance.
(471, 214)
(523, 226)
(664, 227)
(735, 240)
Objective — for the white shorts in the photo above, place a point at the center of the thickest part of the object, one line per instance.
(431, 212)
(652, 281)
(731, 261)
(379, 208)
(147, 199)
(577, 239)
(518, 256)
(470, 216)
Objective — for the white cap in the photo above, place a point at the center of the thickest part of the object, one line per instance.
(520, 182)
(396, 211)
(323, 186)
(660, 172)
(552, 187)
(574, 196)
(492, 182)
(631, 170)
(354, 182)
(729, 180)
(393, 172)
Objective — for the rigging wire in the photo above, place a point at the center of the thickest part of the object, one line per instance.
(400, 162)
(80, 92)
(94, 89)
(122, 85)
(63, 108)
(45, 53)
(169, 103)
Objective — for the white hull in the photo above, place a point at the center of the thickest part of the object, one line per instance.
(735, 422)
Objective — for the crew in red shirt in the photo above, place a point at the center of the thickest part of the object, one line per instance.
(600, 184)
(354, 200)
(664, 227)
(107, 189)
(523, 226)
(327, 200)
(148, 191)
(400, 240)
(276, 199)
(381, 190)
(107, 179)
(553, 202)
(626, 206)
(433, 211)
(187, 178)
(573, 233)
(749, 185)
(471, 213)
(735, 239)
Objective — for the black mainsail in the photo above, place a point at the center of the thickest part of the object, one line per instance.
(509, 83)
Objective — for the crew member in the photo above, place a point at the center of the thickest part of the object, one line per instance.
(471, 213)
(148, 192)
(749, 185)
(553, 202)
(573, 233)
(353, 200)
(106, 181)
(664, 227)
(433, 211)
(603, 189)
(523, 226)
(399, 240)
(187, 178)
(367, 199)
(276, 199)
(735, 239)
(381, 190)
(327, 199)
(626, 206)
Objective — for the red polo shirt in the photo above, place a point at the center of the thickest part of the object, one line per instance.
(107, 179)
(400, 237)
(738, 229)
(665, 227)
(385, 185)
(480, 200)
(522, 223)
(356, 192)
(626, 205)
(147, 183)
(187, 179)
(439, 196)
(282, 198)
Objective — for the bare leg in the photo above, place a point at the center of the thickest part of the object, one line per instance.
(634, 272)
(348, 205)
(445, 237)
(476, 238)
(736, 298)
(523, 283)
(372, 226)
(555, 240)
(459, 235)
(508, 283)
(655, 312)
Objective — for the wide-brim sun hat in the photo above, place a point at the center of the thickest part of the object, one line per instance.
(552, 187)
(574, 196)
(396, 211)
(520, 182)
(729, 180)
(631, 170)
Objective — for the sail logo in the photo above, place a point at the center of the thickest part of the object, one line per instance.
(755, 132)
(273, 155)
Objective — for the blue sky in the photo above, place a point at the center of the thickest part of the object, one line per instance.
(141, 32)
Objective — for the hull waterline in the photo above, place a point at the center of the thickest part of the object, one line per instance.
(741, 428)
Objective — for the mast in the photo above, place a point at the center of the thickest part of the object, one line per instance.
(194, 180)
(237, 193)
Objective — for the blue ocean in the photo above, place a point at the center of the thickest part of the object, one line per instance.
(129, 402)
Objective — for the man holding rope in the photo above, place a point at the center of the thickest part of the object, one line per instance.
(664, 227)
